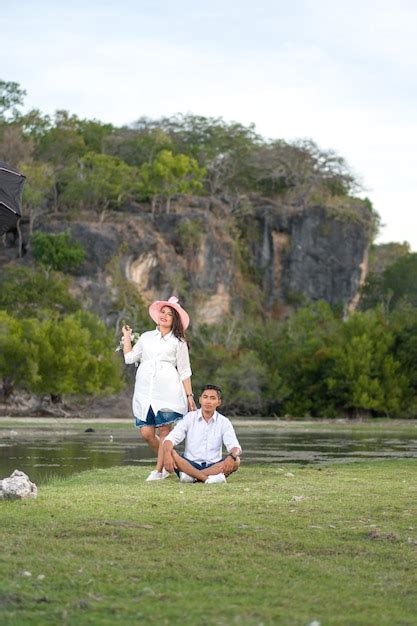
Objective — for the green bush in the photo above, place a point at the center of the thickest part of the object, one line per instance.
(58, 252)
(27, 292)
(74, 355)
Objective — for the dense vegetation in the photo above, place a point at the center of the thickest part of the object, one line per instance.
(314, 363)
(73, 164)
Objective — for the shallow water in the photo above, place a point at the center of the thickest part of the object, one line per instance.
(44, 452)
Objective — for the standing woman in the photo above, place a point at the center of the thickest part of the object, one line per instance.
(163, 392)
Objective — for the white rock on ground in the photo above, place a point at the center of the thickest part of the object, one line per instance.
(17, 486)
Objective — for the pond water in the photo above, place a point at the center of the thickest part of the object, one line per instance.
(44, 452)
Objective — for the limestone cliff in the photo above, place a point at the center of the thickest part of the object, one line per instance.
(216, 260)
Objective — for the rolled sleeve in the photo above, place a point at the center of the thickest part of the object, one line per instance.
(183, 361)
(229, 437)
(135, 354)
(178, 433)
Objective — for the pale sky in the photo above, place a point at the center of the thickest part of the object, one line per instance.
(341, 73)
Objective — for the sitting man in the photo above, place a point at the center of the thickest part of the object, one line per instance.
(204, 431)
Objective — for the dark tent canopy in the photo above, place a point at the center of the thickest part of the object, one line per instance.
(11, 187)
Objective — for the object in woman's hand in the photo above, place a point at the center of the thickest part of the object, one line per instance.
(127, 333)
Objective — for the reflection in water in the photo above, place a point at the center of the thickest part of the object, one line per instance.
(52, 452)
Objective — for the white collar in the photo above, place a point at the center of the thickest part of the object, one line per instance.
(200, 416)
(161, 336)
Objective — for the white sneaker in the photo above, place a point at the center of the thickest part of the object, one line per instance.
(185, 478)
(154, 475)
(216, 478)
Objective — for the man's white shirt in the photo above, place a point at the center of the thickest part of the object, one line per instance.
(204, 440)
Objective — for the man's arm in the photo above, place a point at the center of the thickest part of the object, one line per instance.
(168, 447)
(230, 440)
(176, 436)
(232, 461)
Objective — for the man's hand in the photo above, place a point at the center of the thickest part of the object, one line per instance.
(168, 461)
(228, 465)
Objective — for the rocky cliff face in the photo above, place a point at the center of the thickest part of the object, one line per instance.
(215, 263)
(310, 255)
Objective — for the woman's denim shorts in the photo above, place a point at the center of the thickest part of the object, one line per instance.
(160, 419)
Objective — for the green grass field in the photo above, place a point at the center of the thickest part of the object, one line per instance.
(336, 544)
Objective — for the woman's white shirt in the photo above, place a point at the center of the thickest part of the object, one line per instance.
(164, 364)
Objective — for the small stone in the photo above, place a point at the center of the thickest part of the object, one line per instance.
(289, 475)
(41, 577)
(297, 498)
(27, 574)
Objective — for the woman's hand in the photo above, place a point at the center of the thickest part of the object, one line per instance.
(191, 404)
(127, 331)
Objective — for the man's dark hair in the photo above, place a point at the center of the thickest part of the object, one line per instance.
(214, 387)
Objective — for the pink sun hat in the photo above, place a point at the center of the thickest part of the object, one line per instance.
(156, 307)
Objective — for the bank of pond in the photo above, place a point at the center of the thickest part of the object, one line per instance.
(47, 448)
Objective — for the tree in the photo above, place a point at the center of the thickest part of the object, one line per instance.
(137, 145)
(168, 175)
(17, 363)
(62, 142)
(298, 354)
(25, 292)
(57, 252)
(398, 283)
(11, 97)
(242, 378)
(34, 124)
(60, 146)
(222, 148)
(303, 169)
(100, 182)
(365, 375)
(14, 146)
(75, 355)
(37, 190)
(382, 255)
(95, 134)
(403, 325)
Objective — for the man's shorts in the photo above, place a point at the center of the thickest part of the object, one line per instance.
(160, 419)
(199, 466)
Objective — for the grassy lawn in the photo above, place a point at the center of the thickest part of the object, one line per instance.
(104, 547)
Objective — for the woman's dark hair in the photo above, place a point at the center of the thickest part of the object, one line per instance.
(177, 327)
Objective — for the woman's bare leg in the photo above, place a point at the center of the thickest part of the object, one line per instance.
(151, 438)
(163, 432)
